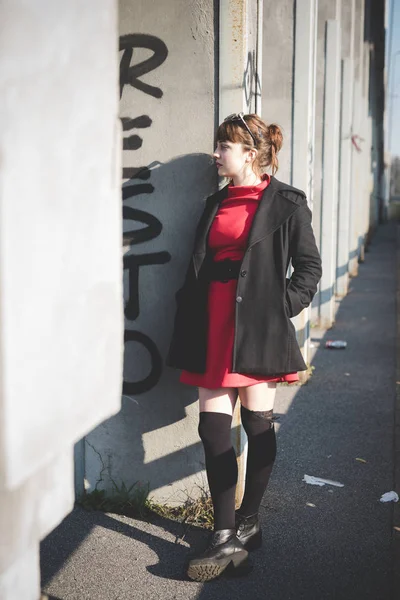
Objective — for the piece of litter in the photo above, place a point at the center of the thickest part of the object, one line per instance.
(347, 374)
(339, 344)
(310, 504)
(130, 398)
(320, 481)
(396, 528)
(330, 491)
(361, 460)
(389, 497)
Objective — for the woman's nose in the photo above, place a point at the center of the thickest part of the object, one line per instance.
(215, 154)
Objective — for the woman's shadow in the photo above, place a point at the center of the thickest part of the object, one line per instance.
(159, 234)
(172, 554)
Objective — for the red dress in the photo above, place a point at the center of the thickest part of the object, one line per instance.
(227, 239)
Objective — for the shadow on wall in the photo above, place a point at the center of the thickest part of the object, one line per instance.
(160, 217)
(154, 437)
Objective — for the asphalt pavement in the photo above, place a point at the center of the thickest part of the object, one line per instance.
(325, 542)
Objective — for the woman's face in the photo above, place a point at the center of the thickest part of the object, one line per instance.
(231, 159)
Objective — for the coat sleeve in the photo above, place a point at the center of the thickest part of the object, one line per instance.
(188, 341)
(306, 261)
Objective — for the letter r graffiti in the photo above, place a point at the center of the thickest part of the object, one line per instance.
(129, 75)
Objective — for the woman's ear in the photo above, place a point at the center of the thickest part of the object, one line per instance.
(251, 154)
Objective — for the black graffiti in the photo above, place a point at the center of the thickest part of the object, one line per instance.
(129, 75)
(146, 384)
(131, 173)
(134, 142)
(139, 122)
(133, 262)
(251, 80)
(151, 226)
(129, 191)
(138, 236)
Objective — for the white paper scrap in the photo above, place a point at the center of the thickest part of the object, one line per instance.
(320, 481)
(389, 497)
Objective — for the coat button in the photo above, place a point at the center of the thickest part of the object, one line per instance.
(239, 299)
(243, 273)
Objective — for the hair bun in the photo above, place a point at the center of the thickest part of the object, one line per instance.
(275, 136)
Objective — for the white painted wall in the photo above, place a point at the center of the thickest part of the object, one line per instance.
(60, 262)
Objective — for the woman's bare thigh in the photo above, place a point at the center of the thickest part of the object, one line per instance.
(220, 400)
(259, 397)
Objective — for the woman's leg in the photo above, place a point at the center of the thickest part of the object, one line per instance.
(216, 409)
(257, 403)
(225, 549)
(221, 400)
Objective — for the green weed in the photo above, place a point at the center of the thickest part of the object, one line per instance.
(131, 501)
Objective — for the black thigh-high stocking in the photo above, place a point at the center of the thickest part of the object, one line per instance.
(221, 466)
(261, 453)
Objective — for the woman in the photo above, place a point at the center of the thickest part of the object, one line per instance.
(233, 335)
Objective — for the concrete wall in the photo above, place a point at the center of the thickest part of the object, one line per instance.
(375, 35)
(169, 120)
(239, 60)
(357, 163)
(61, 231)
(345, 213)
(327, 9)
(288, 99)
(278, 76)
(346, 163)
(180, 75)
(60, 262)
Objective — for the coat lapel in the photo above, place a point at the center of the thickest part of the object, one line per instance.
(274, 209)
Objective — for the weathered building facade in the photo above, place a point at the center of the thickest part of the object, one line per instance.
(315, 67)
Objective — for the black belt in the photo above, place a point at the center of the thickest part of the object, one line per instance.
(224, 270)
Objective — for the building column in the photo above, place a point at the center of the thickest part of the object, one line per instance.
(327, 9)
(330, 173)
(368, 169)
(304, 96)
(240, 41)
(342, 274)
(239, 79)
(303, 125)
(345, 153)
(358, 145)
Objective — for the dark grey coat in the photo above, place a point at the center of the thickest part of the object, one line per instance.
(265, 339)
